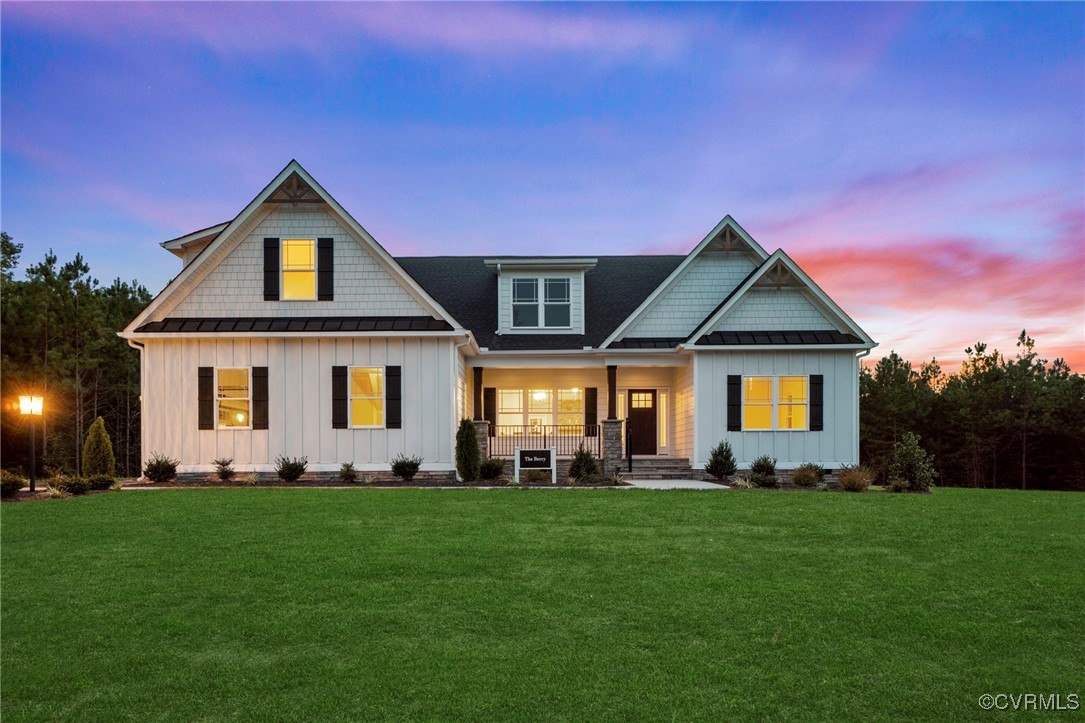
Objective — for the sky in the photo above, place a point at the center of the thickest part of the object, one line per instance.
(923, 162)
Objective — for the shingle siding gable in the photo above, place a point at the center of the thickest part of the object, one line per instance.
(769, 309)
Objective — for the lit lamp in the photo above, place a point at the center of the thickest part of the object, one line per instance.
(30, 405)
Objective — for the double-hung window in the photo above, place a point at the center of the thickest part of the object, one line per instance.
(541, 303)
(299, 269)
(775, 403)
(232, 397)
(366, 397)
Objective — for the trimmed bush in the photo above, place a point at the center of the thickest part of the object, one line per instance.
(721, 461)
(347, 473)
(70, 485)
(536, 476)
(492, 468)
(160, 468)
(290, 469)
(808, 475)
(224, 468)
(467, 457)
(10, 483)
(764, 481)
(912, 464)
(98, 451)
(594, 479)
(405, 467)
(583, 463)
(764, 465)
(854, 479)
(99, 481)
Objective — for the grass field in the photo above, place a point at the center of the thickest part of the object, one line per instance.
(538, 604)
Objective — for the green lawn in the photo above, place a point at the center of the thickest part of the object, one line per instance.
(529, 604)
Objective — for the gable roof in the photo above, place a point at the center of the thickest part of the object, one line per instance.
(726, 232)
(468, 289)
(293, 171)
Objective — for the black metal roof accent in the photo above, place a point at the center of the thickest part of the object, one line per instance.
(295, 324)
(647, 343)
(752, 338)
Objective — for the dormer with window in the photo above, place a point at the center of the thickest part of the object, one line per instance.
(541, 295)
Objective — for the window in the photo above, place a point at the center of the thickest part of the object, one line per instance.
(774, 403)
(552, 310)
(510, 408)
(570, 409)
(366, 397)
(232, 398)
(538, 408)
(299, 269)
(640, 400)
(662, 419)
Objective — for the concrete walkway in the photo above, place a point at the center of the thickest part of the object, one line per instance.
(674, 484)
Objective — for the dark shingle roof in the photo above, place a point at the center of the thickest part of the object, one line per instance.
(296, 323)
(744, 338)
(467, 289)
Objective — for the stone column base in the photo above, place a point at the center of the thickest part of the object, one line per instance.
(612, 446)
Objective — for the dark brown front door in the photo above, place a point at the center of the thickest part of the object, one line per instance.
(642, 421)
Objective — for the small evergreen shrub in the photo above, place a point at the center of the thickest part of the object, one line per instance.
(405, 467)
(160, 468)
(721, 461)
(71, 485)
(764, 481)
(347, 473)
(912, 464)
(98, 481)
(808, 475)
(98, 451)
(854, 479)
(467, 457)
(290, 469)
(764, 465)
(224, 468)
(492, 468)
(10, 483)
(582, 464)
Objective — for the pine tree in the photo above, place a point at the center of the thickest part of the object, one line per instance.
(721, 461)
(467, 458)
(98, 451)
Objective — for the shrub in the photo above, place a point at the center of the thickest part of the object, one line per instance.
(897, 484)
(71, 485)
(98, 481)
(537, 476)
(10, 483)
(742, 482)
(367, 480)
(405, 467)
(764, 481)
(347, 473)
(467, 457)
(808, 475)
(116, 486)
(854, 479)
(98, 451)
(290, 469)
(224, 468)
(54, 493)
(251, 479)
(721, 461)
(492, 468)
(593, 479)
(764, 465)
(912, 464)
(160, 468)
(582, 464)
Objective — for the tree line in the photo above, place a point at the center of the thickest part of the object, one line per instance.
(59, 340)
(997, 422)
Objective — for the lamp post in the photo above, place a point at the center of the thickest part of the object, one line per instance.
(30, 406)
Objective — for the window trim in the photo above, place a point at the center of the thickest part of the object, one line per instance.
(218, 399)
(540, 301)
(351, 397)
(283, 271)
(776, 402)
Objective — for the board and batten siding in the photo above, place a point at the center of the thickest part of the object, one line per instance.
(836, 446)
(235, 287)
(706, 282)
(299, 405)
(770, 309)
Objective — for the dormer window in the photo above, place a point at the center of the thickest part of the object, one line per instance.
(547, 310)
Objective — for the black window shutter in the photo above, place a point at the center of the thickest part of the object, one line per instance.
(339, 398)
(817, 403)
(271, 269)
(591, 411)
(259, 397)
(206, 390)
(325, 270)
(393, 398)
(489, 408)
(734, 402)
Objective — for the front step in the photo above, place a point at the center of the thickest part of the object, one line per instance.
(659, 468)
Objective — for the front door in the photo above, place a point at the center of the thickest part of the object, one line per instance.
(642, 421)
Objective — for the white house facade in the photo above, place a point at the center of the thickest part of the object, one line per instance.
(291, 332)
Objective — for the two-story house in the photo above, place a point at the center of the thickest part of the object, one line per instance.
(290, 331)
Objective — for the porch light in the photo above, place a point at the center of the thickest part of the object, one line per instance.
(539, 396)
(30, 405)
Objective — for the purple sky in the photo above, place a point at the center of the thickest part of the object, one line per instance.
(925, 163)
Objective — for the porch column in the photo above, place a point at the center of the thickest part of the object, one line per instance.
(482, 437)
(612, 446)
(612, 392)
(478, 394)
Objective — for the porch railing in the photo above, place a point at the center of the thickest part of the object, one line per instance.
(565, 437)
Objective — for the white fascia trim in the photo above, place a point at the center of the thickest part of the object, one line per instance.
(680, 271)
(779, 347)
(167, 335)
(541, 263)
(180, 241)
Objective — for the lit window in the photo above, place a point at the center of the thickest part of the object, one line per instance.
(540, 408)
(553, 310)
(621, 405)
(757, 403)
(510, 410)
(232, 397)
(366, 397)
(534, 409)
(662, 419)
(640, 400)
(299, 268)
(570, 410)
(791, 403)
(783, 399)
